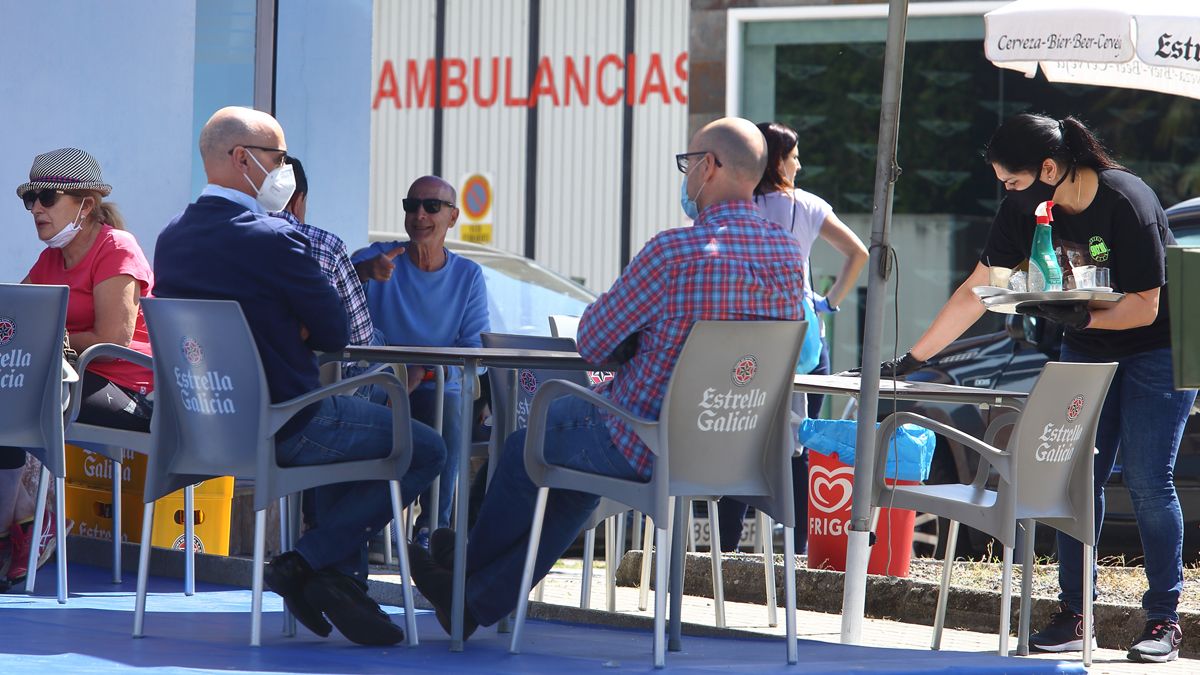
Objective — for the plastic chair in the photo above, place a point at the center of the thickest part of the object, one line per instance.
(731, 388)
(112, 443)
(512, 396)
(1045, 475)
(213, 417)
(33, 398)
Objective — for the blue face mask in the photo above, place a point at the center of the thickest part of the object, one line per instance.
(690, 208)
(689, 205)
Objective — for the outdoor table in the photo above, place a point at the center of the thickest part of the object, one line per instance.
(470, 359)
(850, 385)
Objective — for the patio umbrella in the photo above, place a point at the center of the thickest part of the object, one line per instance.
(1152, 45)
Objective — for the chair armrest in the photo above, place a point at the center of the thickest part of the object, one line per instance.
(280, 413)
(96, 351)
(647, 430)
(991, 455)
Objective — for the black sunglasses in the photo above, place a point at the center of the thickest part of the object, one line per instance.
(432, 206)
(48, 197)
(683, 159)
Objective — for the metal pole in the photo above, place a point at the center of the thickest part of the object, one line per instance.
(886, 171)
(264, 55)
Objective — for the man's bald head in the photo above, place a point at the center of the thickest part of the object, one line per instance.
(739, 154)
(433, 186)
(738, 144)
(234, 127)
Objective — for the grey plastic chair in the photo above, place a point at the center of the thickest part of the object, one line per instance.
(213, 417)
(112, 443)
(512, 396)
(1045, 475)
(731, 388)
(33, 395)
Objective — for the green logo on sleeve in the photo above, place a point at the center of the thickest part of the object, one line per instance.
(1098, 249)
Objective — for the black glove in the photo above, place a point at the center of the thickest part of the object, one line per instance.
(898, 368)
(895, 368)
(626, 349)
(1074, 315)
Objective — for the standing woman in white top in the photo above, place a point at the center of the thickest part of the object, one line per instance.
(807, 217)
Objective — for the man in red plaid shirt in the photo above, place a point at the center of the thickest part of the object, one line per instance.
(731, 264)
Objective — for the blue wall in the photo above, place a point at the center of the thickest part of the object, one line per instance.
(323, 101)
(112, 78)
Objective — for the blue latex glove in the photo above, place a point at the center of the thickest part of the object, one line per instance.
(821, 304)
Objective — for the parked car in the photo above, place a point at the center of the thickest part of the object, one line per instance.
(1012, 359)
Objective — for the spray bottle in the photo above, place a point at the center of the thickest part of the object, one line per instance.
(1045, 274)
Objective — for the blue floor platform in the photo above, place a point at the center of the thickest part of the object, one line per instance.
(210, 632)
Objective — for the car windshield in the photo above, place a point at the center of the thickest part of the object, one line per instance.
(522, 295)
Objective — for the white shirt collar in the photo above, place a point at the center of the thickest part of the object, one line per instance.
(235, 196)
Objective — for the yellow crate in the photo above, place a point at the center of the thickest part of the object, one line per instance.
(85, 467)
(91, 509)
(211, 517)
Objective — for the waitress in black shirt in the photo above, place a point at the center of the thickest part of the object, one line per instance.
(1104, 216)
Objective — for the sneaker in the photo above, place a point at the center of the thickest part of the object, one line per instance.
(1158, 643)
(421, 538)
(1064, 633)
(21, 536)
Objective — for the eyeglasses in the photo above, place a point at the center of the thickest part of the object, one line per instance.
(47, 198)
(431, 206)
(683, 159)
(281, 151)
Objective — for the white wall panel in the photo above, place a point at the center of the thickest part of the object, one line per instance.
(579, 145)
(491, 138)
(401, 135)
(659, 127)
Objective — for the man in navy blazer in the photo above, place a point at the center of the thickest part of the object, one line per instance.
(225, 246)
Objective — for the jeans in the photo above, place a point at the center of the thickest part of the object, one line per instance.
(575, 437)
(421, 404)
(345, 515)
(731, 512)
(1142, 419)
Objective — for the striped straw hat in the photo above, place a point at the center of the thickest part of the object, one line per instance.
(65, 169)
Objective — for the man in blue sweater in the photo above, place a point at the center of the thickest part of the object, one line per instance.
(225, 246)
(428, 296)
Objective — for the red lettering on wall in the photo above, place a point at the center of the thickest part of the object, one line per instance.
(422, 84)
(543, 83)
(617, 79)
(509, 100)
(388, 87)
(681, 72)
(614, 98)
(582, 86)
(476, 79)
(655, 82)
(458, 82)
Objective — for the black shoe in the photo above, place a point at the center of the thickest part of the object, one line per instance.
(1158, 643)
(436, 583)
(351, 610)
(441, 547)
(287, 575)
(1064, 633)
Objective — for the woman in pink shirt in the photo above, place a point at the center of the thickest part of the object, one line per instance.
(88, 250)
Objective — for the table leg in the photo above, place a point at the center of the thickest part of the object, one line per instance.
(459, 596)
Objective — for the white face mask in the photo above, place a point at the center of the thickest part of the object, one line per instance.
(66, 234)
(277, 187)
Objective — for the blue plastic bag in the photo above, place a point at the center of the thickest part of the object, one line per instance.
(910, 451)
(810, 351)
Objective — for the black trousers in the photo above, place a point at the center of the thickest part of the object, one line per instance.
(104, 404)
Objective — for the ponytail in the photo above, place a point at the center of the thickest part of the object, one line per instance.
(1024, 141)
(103, 213)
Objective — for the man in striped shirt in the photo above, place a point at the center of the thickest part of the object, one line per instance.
(729, 265)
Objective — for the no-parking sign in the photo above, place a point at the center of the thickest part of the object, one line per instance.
(475, 196)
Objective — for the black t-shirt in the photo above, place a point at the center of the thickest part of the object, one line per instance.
(1125, 230)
